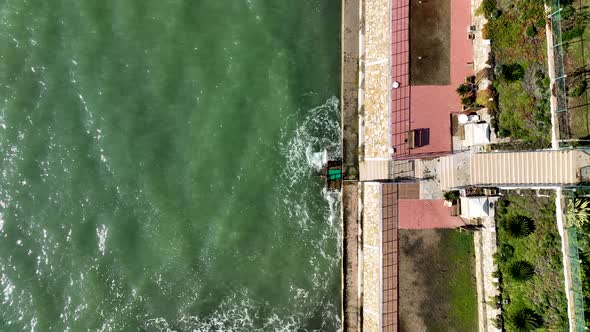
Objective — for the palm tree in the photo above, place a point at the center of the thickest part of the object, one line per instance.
(512, 72)
(524, 319)
(519, 226)
(463, 90)
(521, 271)
(578, 212)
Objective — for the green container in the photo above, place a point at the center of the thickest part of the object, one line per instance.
(334, 171)
(335, 176)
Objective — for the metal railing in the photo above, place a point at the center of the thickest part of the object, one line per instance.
(576, 278)
(576, 287)
(559, 74)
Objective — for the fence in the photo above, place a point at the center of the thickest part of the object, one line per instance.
(576, 277)
(559, 88)
(575, 271)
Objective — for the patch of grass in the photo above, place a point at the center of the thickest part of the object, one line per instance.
(457, 249)
(543, 291)
(460, 249)
(522, 116)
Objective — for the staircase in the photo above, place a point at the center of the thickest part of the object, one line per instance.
(375, 170)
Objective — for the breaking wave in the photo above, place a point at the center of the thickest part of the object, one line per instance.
(238, 312)
(312, 143)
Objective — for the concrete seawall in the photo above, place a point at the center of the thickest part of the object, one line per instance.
(350, 87)
(351, 318)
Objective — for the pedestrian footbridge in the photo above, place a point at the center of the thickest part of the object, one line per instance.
(543, 168)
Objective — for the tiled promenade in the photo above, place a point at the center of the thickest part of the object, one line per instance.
(371, 256)
(375, 69)
(379, 309)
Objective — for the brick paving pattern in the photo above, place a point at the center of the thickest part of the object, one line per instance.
(389, 201)
(400, 72)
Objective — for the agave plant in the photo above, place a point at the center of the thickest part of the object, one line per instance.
(524, 319)
(578, 212)
(512, 72)
(521, 271)
(519, 226)
(451, 196)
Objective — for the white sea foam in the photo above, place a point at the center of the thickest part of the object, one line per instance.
(7, 288)
(313, 142)
(33, 323)
(238, 312)
(101, 233)
(307, 149)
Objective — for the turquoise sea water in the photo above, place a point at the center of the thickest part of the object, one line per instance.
(157, 165)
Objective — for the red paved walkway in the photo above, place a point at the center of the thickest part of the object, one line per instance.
(426, 214)
(430, 106)
(400, 72)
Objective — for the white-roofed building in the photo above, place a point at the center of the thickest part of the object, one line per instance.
(475, 207)
(477, 133)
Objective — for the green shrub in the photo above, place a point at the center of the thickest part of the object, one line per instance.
(573, 33)
(497, 274)
(519, 226)
(579, 88)
(521, 271)
(506, 251)
(498, 322)
(463, 90)
(567, 12)
(531, 31)
(546, 82)
(524, 319)
(512, 72)
(504, 132)
(466, 101)
(483, 97)
(487, 9)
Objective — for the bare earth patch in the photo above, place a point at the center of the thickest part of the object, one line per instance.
(430, 42)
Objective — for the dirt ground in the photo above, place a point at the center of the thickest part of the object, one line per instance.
(430, 42)
(436, 281)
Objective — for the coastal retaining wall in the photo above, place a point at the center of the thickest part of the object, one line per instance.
(351, 301)
(350, 87)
